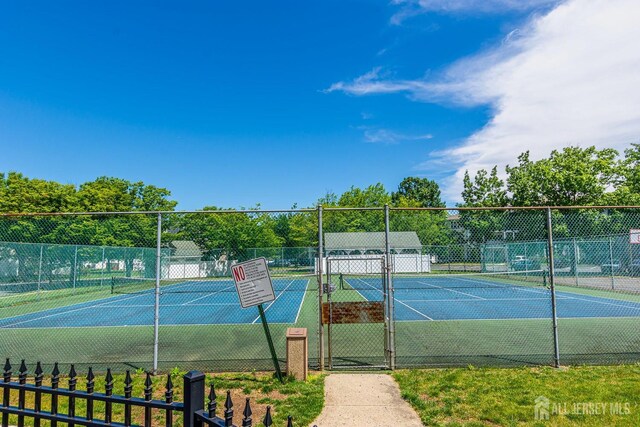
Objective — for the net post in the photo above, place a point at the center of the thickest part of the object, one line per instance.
(554, 314)
(319, 279)
(575, 261)
(390, 293)
(40, 270)
(103, 268)
(156, 316)
(75, 268)
(613, 280)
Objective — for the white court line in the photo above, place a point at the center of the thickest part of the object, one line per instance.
(170, 305)
(208, 295)
(523, 319)
(274, 301)
(302, 302)
(605, 303)
(506, 286)
(564, 297)
(451, 290)
(537, 291)
(484, 299)
(365, 298)
(397, 300)
(111, 299)
(65, 312)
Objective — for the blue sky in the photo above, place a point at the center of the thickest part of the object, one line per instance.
(237, 103)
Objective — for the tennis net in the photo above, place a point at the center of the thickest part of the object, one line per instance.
(432, 281)
(130, 285)
(13, 288)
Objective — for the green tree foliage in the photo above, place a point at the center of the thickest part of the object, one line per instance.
(19, 194)
(357, 220)
(372, 196)
(230, 233)
(572, 177)
(421, 192)
(485, 190)
(431, 226)
(627, 181)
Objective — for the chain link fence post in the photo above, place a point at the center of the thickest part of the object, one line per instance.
(391, 354)
(156, 316)
(554, 314)
(320, 325)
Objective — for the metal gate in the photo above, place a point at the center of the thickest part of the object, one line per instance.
(355, 313)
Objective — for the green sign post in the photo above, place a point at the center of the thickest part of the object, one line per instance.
(254, 287)
(265, 325)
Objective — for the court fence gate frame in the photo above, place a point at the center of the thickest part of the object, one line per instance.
(506, 287)
(358, 317)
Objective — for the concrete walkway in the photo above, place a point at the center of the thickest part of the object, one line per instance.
(364, 400)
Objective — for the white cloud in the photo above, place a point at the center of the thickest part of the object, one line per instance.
(386, 136)
(410, 8)
(372, 82)
(571, 77)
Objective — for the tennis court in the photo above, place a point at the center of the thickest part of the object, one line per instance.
(479, 297)
(204, 302)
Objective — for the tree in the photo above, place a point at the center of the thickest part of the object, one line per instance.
(358, 220)
(21, 194)
(571, 177)
(373, 196)
(431, 226)
(627, 181)
(485, 190)
(421, 192)
(230, 233)
(107, 194)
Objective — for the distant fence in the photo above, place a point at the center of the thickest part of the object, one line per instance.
(46, 401)
(474, 286)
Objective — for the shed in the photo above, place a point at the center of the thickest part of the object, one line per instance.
(185, 250)
(356, 243)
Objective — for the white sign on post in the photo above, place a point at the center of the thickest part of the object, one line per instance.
(253, 282)
(634, 236)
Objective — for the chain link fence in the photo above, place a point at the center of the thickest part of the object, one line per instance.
(400, 287)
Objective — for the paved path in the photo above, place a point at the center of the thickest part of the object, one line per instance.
(364, 400)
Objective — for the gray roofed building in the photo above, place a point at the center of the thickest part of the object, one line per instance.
(185, 249)
(363, 242)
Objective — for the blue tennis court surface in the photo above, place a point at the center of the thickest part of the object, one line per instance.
(442, 298)
(178, 306)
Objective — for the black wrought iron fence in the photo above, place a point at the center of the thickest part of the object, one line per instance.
(46, 401)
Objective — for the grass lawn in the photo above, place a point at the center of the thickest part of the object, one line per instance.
(506, 397)
(302, 400)
(443, 397)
